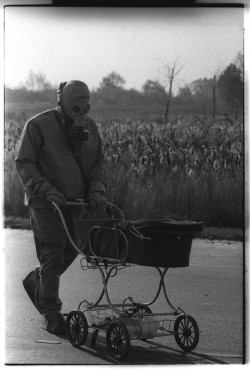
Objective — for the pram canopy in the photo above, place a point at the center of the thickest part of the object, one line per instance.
(153, 242)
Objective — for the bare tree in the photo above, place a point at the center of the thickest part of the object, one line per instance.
(170, 72)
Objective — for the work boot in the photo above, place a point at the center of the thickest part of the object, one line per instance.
(53, 322)
(30, 284)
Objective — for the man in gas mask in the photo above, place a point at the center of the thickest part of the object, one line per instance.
(60, 159)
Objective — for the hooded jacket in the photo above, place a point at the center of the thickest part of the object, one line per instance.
(45, 161)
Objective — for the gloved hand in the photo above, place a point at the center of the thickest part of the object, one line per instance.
(56, 197)
(97, 202)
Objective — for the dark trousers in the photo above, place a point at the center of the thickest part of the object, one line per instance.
(54, 252)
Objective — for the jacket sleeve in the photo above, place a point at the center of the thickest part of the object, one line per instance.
(97, 175)
(26, 162)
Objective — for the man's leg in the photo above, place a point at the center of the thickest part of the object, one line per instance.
(30, 284)
(48, 301)
(50, 240)
(32, 281)
(70, 253)
(51, 260)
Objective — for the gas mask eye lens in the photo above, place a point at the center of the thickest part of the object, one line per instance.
(76, 109)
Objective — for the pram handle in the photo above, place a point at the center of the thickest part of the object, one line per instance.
(82, 203)
(77, 203)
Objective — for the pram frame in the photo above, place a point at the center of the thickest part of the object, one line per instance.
(124, 309)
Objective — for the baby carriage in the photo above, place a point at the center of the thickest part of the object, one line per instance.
(112, 244)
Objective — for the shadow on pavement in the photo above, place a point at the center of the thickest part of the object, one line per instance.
(180, 357)
(148, 352)
(99, 350)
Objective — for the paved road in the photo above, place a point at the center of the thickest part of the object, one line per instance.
(210, 289)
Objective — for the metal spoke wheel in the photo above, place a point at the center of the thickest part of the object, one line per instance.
(118, 340)
(186, 332)
(76, 328)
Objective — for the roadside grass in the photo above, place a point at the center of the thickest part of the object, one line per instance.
(191, 168)
(16, 223)
(229, 234)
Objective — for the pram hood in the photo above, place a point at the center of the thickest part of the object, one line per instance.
(168, 226)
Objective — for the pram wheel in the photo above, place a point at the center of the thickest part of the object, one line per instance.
(76, 328)
(118, 340)
(187, 332)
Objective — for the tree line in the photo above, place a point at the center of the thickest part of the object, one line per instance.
(223, 93)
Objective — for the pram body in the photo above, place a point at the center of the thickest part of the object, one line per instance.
(156, 243)
(110, 245)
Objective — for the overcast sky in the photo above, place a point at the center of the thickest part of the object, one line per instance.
(87, 44)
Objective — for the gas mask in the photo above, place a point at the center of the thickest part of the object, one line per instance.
(73, 97)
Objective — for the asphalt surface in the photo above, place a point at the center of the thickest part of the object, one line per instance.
(210, 289)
